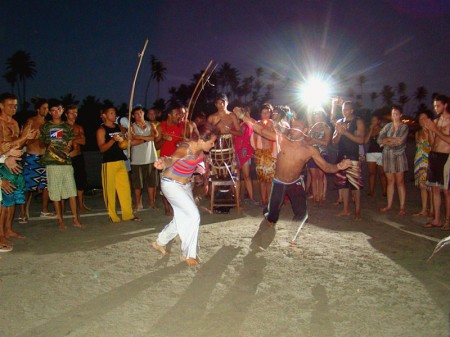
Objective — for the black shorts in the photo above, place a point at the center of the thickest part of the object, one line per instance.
(435, 171)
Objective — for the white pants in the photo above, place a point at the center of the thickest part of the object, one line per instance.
(186, 219)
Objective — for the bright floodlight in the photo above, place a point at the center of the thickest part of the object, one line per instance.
(314, 92)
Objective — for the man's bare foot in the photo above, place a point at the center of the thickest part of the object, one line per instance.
(61, 226)
(293, 245)
(5, 241)
(446, 226)
(344, 213)
(12, 234)
(138, 208)
(384, 209)
(432, 224)
(159, 248)
(270, 224)
(84, 209)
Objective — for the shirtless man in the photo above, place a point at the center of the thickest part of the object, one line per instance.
(10, 137)
(223, 120)
(189, 127)
(34, 173)
(438, 172)
(79, 167)
(293, 154)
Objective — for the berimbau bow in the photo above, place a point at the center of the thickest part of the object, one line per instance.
(141, 55)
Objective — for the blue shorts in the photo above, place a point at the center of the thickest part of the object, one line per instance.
(18, 196)
(34, 173)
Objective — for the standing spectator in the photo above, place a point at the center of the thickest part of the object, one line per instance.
(438, 169)
(265, 154)
(244, 154)
(320, 136)
(374, 157)
(34, 173)
(421, 165)
(349, 134)
(9, 159)
(79, 167)
(114, 173)
(58, 136)
(171, 133)
(143, 155)
(10, 137)
(393, 140)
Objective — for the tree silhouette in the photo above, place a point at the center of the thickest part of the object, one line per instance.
(420, 94)
(373, 98)
(387, 95)
(69, 99)
(228, 79)
(361, 81)
(23, 68)
(157, 73)
(11, 78)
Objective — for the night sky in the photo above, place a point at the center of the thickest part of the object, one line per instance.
(91, 47)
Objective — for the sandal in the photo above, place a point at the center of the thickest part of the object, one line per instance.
(4, 248)
(23, 220)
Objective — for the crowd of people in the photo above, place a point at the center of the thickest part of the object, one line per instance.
(287, 151)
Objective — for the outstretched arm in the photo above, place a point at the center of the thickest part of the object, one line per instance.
(270, 134)
(326, 166)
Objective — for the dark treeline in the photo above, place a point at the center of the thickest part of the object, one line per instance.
(253, 90)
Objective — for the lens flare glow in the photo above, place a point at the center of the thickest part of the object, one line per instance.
(315, 92)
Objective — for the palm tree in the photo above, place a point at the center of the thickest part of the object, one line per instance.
(361, 81)
(387, 94)
(11, 78)
(69, 99)
(21, 65)
(158, 73)
(421, 94)
(373, 98)
(228, 79)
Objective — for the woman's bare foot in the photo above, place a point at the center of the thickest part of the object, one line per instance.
(191, 262)
(421, 213)
(402, 212)
(159, 248)
(384, 209)
(12, 234)
(78, 224)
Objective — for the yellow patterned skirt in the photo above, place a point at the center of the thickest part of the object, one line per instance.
(265, 165)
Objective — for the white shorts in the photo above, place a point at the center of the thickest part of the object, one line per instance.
(375, 157)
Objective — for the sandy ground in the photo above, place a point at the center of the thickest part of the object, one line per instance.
(349, 278)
